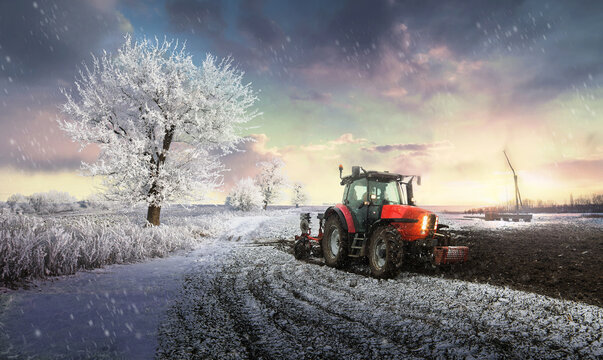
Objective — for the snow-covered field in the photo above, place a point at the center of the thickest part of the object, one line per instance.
(258, 302)
(240, 294)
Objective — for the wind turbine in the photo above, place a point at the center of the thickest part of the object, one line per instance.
(518, 202)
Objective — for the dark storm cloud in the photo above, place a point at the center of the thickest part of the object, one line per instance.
(256, 25)
(47, 39)
(557, 45)
(362, 25)
(382, 44)
(204, 16)
(205, 20)
(568, 54)
(314, 96)
(418, 148)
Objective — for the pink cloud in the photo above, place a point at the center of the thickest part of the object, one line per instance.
(465, 66)
(395, 93)
(38, 143)
(243, 162)
(346, 138)
(440, 53)
(576, 172)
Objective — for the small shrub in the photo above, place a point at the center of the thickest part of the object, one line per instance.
(19, 203)
(52, 202)
(245, 196)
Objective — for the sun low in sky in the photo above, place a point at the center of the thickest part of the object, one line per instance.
(437, 88)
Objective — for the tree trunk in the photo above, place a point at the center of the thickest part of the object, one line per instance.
(153, 215)
(265, 204)
(154, 211)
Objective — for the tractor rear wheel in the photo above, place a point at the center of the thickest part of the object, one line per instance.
(385, 253)
(334, 243)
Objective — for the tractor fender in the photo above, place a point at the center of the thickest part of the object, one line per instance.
(345, 216)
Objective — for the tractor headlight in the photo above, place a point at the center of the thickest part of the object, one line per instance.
(435, 225)
(424, 224)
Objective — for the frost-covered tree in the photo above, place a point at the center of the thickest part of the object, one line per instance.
(299, 194)
(270, 180)
(158, 119)
(245, 195)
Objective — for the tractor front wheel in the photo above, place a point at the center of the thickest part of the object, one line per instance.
(334, 243)
(385, 253)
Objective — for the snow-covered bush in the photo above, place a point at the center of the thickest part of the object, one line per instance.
(42, 203)
(245, 196)
(52, 202)
(19, 203)
(32, 247)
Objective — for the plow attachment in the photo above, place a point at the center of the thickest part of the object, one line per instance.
(443, 255)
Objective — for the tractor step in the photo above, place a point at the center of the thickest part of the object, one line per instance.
(357, 248)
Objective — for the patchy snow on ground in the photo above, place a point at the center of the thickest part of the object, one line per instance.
(259, 302)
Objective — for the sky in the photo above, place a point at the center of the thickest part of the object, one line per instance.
(436, 88)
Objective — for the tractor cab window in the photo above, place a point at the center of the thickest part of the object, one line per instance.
(385, 193)
(357, 193)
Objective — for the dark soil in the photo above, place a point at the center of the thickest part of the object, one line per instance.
(562, 261)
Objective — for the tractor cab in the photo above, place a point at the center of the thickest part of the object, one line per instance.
(365, 193)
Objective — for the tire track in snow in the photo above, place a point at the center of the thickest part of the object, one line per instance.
(301, 306)
(309, 318)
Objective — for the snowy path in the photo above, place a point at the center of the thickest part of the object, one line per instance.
(108, 313)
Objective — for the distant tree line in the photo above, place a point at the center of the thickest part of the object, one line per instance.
(583, 204)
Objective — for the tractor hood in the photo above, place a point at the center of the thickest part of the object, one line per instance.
(414, 222)
(403, 212)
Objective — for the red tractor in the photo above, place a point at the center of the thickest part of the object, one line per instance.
(378, 220)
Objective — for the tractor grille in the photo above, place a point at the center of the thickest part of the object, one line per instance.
(431, 222)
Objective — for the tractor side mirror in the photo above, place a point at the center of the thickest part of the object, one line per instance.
(419, 180)
(355, 171)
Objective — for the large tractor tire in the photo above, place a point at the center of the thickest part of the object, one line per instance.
(334, 243)
(385, 252)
